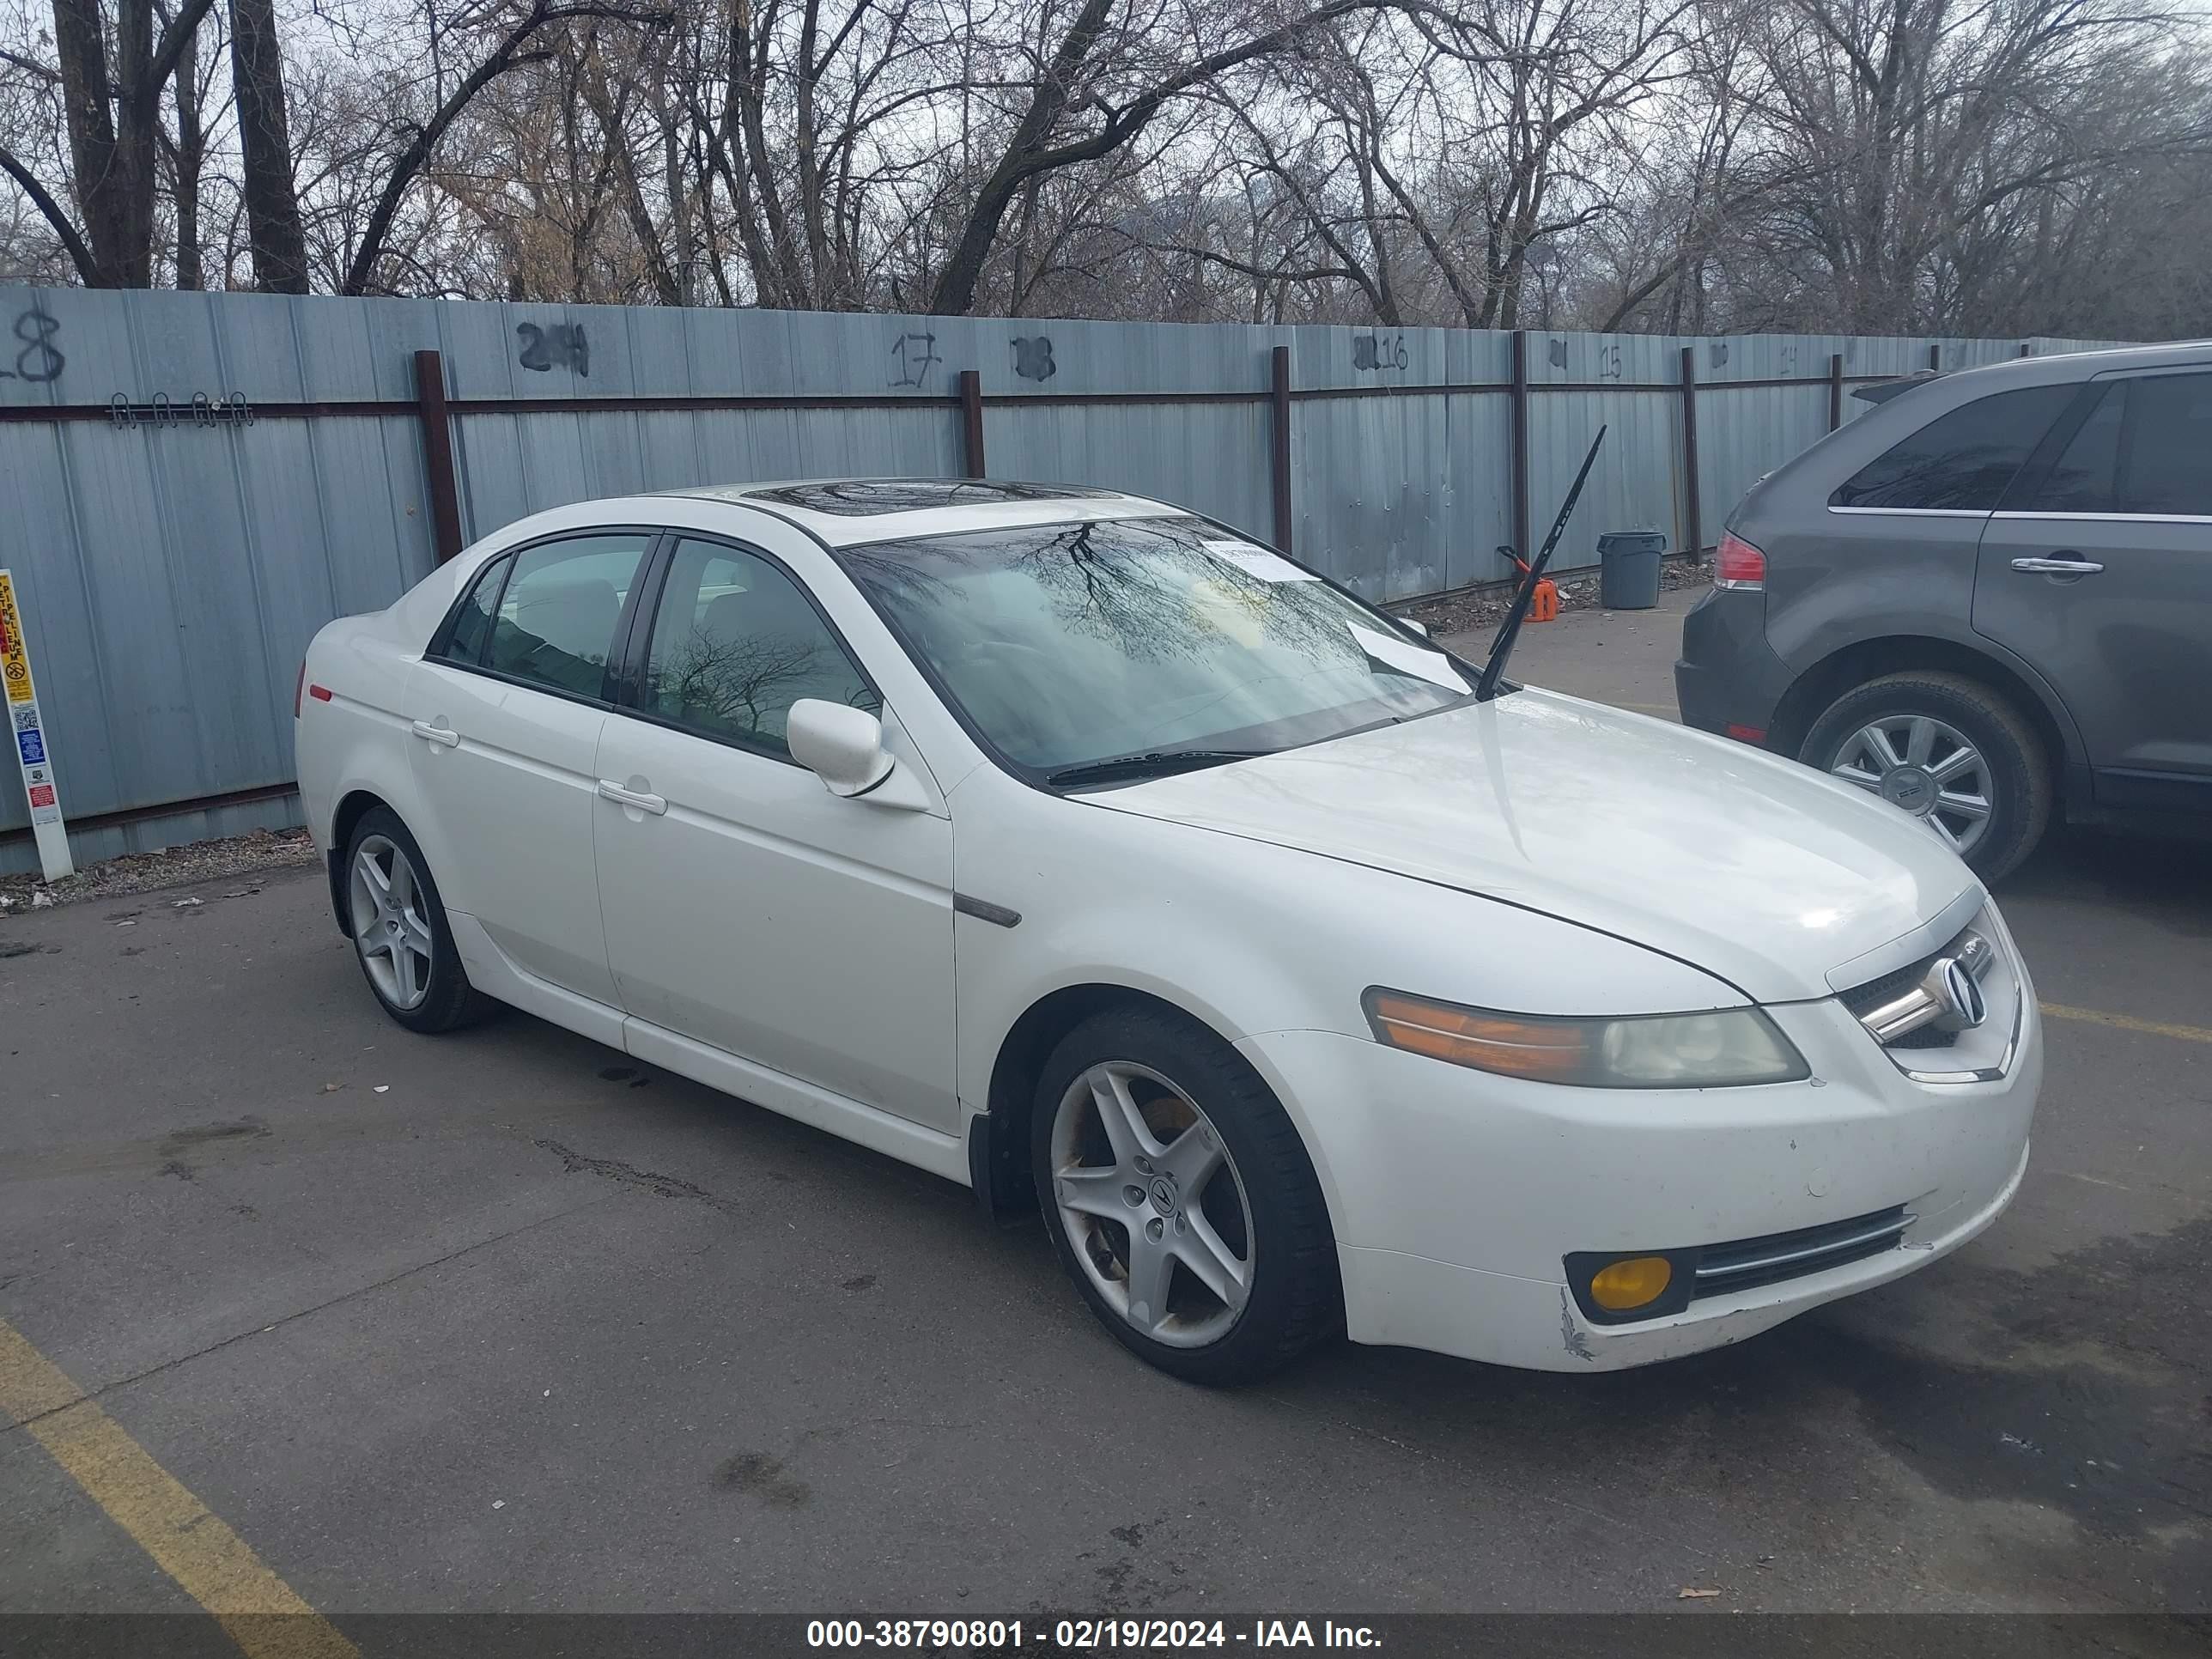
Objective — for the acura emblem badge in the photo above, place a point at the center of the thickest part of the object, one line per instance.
(1959, 992)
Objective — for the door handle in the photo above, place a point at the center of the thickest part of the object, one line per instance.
(2068, 567)
(442, 734)
(614, 791)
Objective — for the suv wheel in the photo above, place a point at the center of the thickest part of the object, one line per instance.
(1948, 751)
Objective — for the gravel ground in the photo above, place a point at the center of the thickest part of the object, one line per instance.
(1474, 607)
(234, 861)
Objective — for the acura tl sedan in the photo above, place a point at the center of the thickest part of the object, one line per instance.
(1085, 851)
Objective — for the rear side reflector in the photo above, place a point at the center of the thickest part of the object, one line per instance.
(1746, 733)
(1737, 563)
(319, 693)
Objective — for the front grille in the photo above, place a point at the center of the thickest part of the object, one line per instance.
(1928, 1036)
(1724, 1269)
(1863, 999)
(1877, 995)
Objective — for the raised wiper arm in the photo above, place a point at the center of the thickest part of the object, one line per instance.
(1155, 765)
(1509, 630)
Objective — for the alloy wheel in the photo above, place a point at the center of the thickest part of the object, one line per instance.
(1924, 766)
(1152, 1203)
(388, 927)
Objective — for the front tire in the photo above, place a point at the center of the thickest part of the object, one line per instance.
(1948, 750)
(1180, 1198)
(400, 934)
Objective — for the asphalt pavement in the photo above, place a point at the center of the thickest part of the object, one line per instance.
(504, 1322)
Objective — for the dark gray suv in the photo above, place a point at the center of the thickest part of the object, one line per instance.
(1988, 597)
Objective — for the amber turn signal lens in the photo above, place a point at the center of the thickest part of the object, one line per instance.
(1620, 1286)
(1554, 1050)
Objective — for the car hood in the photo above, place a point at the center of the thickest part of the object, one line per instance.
(1756, 869)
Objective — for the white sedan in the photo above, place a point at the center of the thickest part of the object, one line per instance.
(1083, 851)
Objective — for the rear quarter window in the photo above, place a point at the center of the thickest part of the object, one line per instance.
(1960, 462)
(471, 629)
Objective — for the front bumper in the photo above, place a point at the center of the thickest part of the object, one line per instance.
(1456, 1195)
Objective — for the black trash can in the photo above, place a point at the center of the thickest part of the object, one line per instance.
(1629, 569)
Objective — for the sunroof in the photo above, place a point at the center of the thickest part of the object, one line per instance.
(863, 498)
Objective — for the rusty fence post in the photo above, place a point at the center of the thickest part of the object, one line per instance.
(438, 454)
(972, 420)
(1520, 430)
(1835, 390)
(1279, 448)
(1693, 516)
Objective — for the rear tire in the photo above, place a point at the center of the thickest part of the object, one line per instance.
(400, 934)
(1923, 739)
(1180, 1198)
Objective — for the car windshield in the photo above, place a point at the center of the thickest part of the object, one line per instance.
(1154, 644)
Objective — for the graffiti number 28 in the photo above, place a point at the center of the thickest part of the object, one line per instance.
(38, 361)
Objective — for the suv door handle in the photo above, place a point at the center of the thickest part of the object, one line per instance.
(614, 791)
(444, 734)
(2058, 567)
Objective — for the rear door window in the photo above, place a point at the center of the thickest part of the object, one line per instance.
(1962, 461)
(2082, 479)
(555, 625)
(2145, 450)
(2166, 448)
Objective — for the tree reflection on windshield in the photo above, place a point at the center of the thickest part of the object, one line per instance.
(1075, 642)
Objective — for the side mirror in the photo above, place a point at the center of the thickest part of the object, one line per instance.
(844, 747)
(1410, 626)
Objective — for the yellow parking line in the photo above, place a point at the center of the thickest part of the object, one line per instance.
(214, 1567)
(2127, 1023)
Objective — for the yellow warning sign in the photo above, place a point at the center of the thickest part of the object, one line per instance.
(14, 654)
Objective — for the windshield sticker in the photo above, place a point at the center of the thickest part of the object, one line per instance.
(1409, 659)
(1259, 562)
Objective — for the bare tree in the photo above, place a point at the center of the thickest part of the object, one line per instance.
(1871, 165)
(113, 113)
(1897, 137)
(1127, 78)
(264, 137)
(512, 33)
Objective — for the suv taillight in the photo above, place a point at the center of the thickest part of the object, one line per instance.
(1737, 563)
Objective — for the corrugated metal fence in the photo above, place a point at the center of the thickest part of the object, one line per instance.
(195, 483)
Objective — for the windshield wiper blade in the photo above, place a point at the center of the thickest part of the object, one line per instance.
(1158, 764)
(1517, 613)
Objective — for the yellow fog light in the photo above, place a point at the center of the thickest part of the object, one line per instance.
(1620, 1286)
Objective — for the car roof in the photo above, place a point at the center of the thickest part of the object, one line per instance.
(2061, 367)
(846, 512)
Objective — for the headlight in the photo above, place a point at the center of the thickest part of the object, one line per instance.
(1727, 1048)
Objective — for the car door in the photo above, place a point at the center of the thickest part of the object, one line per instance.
(2098, 571)
(746, 906)
(504, 711)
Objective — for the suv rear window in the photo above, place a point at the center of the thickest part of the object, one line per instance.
(1962, 461)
